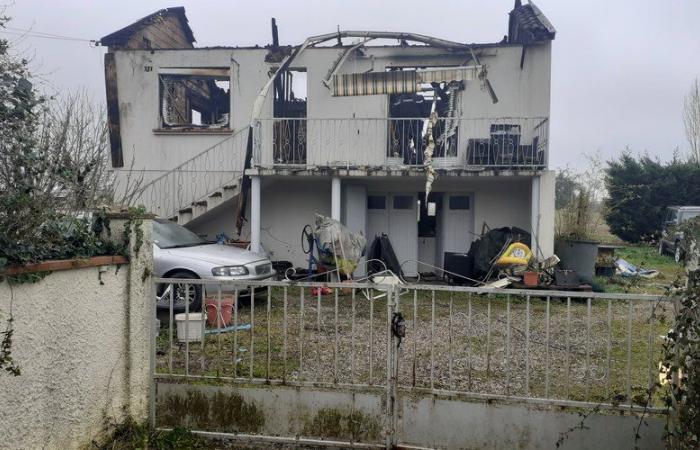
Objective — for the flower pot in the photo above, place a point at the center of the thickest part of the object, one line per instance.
(219, 312)
(531, 279)
(579, 256)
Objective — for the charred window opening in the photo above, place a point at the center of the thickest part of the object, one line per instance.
(195, 99)
(289, 105)
(410, 124)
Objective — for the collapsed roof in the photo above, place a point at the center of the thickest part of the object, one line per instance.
(528, 25)
(121, 37)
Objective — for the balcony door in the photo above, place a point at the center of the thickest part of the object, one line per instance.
(410, 128)
(289, 110)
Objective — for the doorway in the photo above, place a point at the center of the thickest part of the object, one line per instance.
(396, 215)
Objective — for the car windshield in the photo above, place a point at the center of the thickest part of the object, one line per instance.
(167, 234)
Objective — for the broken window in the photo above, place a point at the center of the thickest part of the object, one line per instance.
(195, 98)
(289, 105)
(410, 124)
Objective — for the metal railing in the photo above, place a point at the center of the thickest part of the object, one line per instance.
(217, 166)
(548, 347)
(504, 142)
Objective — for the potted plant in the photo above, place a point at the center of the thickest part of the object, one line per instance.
(574, 243)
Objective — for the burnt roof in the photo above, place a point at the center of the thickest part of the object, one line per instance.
(121, 37)
(528, 24)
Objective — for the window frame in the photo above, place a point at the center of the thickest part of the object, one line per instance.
(218, 73)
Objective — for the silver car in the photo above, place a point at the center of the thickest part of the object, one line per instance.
(179, 253)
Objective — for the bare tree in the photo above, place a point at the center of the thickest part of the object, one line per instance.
(74, 131)
(691, 118)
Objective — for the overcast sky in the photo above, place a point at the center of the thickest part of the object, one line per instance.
(620, 69)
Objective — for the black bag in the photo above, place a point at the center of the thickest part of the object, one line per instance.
(382, 250)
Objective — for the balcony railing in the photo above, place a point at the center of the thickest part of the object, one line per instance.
(504, 142)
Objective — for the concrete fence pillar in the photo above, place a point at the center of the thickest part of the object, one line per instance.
(140, 306)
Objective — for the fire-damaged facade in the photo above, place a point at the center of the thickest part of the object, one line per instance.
(429, 141)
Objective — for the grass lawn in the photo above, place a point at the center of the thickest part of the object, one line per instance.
(647, 257)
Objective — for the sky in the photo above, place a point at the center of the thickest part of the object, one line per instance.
(620, 69)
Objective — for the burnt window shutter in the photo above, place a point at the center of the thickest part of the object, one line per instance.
(115, 140)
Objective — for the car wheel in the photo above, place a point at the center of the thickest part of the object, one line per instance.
(181, 292)
(678, 253)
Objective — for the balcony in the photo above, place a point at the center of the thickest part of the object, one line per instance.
(469, 144)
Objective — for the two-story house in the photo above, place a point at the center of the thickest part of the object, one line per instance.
(356, 125)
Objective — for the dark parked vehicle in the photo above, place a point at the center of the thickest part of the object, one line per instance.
(670, 237)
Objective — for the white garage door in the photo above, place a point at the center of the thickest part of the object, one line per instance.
(395, 215)
(458, 223)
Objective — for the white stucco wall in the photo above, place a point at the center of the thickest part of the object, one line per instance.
(69, 342)
(290, 203)
(82, 341)
(287, 206)
(522, 93)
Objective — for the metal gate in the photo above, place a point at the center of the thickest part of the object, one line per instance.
(385, 342)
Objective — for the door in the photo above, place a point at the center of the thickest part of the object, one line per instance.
(458, 223)
(395, 215)
(403, 230)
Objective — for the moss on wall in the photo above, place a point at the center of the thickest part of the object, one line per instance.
(341, 424)
(226, 412)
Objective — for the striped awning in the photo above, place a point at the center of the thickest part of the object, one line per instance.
(466, 73)
(397, 82)
(373, 83)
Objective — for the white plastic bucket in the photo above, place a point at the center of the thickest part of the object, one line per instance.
(190, 328)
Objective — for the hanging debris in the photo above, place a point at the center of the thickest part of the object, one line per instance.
(430, 173)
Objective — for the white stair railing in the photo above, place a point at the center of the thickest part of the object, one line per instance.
(200, 176)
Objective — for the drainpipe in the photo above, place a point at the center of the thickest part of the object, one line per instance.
(335, 198)
(255, 214)
(535, 217)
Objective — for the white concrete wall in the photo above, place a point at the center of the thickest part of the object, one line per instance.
(82, 341)
(287, 205)
(547, 212)
(290, 203)
(72, 350)
(423, 420)
(521, 92)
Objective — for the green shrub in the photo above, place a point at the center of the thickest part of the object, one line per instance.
(639, 189)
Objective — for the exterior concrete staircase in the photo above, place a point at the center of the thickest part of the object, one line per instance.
(203, 183)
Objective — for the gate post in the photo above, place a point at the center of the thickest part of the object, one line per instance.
(392, 368)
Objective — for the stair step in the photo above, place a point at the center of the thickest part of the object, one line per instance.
(216, 194)
(200, 203)
(230, 186)
(187, 210)
(173, 219)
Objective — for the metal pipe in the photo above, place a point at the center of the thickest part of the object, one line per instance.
(546, 371)
(587, 372)
(252, 330)
(507, 362)
(432, 342)
(527, 346)
(284, 335)
(352, 338)
(269, 342)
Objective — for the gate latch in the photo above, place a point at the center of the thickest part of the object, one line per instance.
(398, 326)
